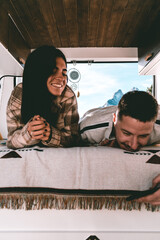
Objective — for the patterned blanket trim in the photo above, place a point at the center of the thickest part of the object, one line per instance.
(38, 201)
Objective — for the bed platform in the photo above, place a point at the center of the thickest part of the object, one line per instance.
(72, 193)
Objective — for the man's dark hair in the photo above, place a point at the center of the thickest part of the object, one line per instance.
(139, 105)
(36, 99)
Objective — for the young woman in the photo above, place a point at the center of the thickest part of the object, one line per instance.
(43, 109)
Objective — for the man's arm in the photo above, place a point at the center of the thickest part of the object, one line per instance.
(154, 198)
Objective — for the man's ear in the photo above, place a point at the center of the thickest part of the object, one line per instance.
(114, 118)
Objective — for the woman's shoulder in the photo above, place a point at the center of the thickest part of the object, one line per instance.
(68, 93)
(69, 90)
(16, 95)
(17, 90)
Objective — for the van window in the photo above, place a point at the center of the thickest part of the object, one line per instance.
(103, 84)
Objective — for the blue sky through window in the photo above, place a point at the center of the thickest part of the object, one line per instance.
(99, 82)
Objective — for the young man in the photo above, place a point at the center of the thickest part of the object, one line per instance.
(130, 126)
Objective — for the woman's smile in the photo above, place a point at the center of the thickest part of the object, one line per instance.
(56, 83)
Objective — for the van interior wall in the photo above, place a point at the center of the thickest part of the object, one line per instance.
(8, 66)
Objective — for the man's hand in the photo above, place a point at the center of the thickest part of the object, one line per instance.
(39, 129)
(154, 198)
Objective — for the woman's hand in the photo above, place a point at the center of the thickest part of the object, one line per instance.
(154, 198)
(39, 128)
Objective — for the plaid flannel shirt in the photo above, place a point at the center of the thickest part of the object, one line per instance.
(64, 134)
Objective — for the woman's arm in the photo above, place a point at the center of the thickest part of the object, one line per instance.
(18, 135)
(66, 133)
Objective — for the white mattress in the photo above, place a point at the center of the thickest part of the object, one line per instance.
(92, 168)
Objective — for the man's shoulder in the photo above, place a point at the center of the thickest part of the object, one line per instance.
(99, 114)
(97, 123)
